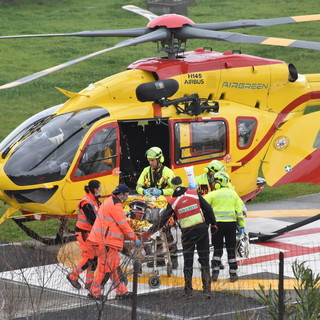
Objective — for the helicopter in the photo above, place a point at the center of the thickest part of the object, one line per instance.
(197, 106)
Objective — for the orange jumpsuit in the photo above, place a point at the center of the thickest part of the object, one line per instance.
(87, 210)
(108, 233)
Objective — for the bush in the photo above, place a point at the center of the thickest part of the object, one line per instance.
(306, 304)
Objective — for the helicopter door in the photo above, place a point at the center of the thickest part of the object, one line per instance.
(293, 155)
(98, 160)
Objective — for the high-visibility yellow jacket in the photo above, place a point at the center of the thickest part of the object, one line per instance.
(203, 184)
(159, 179)
(226, 205)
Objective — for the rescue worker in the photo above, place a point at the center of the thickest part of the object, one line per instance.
(227, 206)
(107, 235)
(87, 211)
(194, 215)
(155, 180)
(205, 182)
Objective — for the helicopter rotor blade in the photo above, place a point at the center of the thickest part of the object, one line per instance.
(135, 32)
(157, 35)
(142, 12)
(255, 23)
(188, 32)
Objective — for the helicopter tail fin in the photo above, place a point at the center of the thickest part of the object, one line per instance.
(294, 152)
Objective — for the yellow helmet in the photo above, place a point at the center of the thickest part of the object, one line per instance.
(221, 179)
(155, 153)
(215, 166)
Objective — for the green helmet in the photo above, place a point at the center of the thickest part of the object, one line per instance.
(221, 178)
(155, 153)
(215, 166)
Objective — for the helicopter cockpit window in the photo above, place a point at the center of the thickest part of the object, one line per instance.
(24, 128)
(99, 154)
(196, 141)
(46, 153)
(245, 131)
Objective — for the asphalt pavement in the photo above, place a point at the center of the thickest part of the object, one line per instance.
(56, 304)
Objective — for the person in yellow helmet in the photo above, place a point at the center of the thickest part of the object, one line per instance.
(227, 207)
(205, 182)
(155, 180)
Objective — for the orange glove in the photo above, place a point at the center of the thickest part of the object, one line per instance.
(170, 222)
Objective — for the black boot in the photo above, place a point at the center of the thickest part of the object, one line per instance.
(233, 276)
(215, 275)
(174, 260)
(188, 290)
(206, 282)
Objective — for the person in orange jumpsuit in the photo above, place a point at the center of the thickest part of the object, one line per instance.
(108, 233)
(87, 211)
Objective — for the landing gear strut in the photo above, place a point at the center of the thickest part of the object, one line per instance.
(58, 239)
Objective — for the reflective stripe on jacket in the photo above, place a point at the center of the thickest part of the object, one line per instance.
(145, 180)
(111, 227)
(227, 205)
(82, 222)
(187, 209)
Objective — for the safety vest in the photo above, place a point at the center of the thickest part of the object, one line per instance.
(82, 222)
(227, 205)
(159, 179)
(111, 227)
(187, 209)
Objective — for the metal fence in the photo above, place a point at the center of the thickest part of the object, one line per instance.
(33, 285)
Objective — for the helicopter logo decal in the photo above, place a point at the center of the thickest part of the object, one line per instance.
(242, 85)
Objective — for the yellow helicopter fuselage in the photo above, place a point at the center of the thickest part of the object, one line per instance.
(256, 101)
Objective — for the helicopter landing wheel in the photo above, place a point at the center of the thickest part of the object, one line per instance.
(154, 282)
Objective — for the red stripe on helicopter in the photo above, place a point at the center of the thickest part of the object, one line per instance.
(306, 170)
(198, 61)
(281, 116)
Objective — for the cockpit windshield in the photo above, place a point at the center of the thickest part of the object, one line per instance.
(46, 153)
(24, 128)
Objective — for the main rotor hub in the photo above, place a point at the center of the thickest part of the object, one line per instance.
(169, 21)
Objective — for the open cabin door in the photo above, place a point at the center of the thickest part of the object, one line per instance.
(294, 153)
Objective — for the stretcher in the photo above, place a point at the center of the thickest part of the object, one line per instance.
(145, 214)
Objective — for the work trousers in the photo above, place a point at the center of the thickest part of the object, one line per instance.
(226, 233)
(196, 238)
(108, 267)
(88, 261)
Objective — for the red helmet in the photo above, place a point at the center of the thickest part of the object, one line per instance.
(136, 214)
(138, 209)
